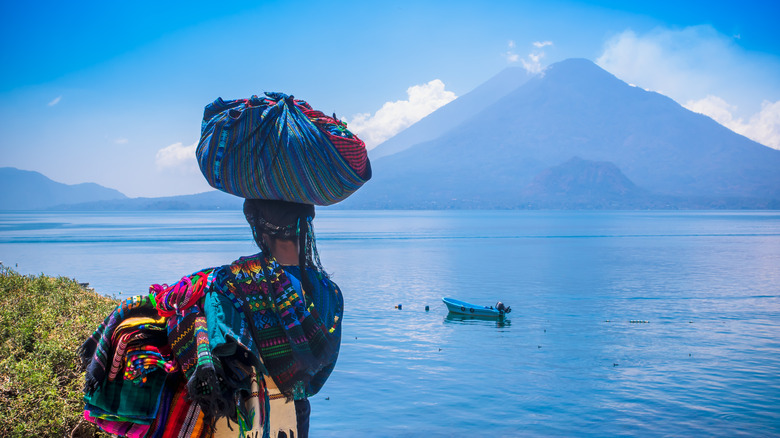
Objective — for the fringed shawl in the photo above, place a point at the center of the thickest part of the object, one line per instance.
(294, 342)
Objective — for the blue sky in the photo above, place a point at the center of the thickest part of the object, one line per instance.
(113, 92)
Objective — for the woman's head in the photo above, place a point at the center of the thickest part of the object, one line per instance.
(277, 219)
(282, 220)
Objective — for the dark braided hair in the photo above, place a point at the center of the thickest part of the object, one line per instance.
(286, 221)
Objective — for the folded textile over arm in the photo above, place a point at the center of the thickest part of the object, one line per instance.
(132, 372)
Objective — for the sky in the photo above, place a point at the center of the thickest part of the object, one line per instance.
(113, 92)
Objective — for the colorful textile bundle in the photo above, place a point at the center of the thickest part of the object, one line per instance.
(279, 148)
(129, 366)
(96, 350)
(173, 362)
(133, 385)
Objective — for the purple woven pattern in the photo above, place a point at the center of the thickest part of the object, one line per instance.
(266, 148)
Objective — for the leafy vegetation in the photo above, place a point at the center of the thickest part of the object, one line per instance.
(43, 320)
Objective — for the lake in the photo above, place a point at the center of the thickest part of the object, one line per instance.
(644, 323)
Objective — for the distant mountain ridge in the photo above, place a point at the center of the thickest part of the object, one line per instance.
(454, 113)
(679, 159)
(213, 200)
(28, 190)
(573, 137)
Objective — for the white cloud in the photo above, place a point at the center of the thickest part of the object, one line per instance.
(55, 101)
(762, 127)
(705, 71)
(121, 141)
(510, 54)
(396, 116)
(532, 63)
(715, 107)
(692, 63)
(667, 61)
(177, 157)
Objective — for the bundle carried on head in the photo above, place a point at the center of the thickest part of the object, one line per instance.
(279, 148)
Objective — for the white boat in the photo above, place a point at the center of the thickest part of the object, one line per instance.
(464, 308)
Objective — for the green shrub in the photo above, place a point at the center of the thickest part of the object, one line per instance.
(43, 320)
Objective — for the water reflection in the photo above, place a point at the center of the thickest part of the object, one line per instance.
(499, 322)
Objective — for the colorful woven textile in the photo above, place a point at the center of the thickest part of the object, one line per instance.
(279, 148)
(127, 429)
(349, 146)
(96, 350)
(171, 363)
(186, 322)
(295, 343)
(189, 340)
(135, 334)
(132, 335)
(123, 400)
(130, 397)
(179, 417)
(327, 298)
(141, 360)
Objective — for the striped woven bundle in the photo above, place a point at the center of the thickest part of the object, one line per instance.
(279, 148)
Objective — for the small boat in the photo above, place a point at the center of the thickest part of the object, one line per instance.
(464, 308)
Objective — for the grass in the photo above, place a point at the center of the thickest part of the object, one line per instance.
(43, 320)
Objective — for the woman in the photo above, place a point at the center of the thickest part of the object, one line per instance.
(236, 350)
(294, 370)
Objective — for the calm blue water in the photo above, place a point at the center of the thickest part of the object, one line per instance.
(567, 362)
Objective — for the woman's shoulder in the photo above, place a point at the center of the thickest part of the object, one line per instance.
(206, 277)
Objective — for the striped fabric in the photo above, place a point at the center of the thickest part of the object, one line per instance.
(96, 351)
(187, 333)
(279, 148)
(145, 359)
(126, 429)
(133, 331)
(181, 418)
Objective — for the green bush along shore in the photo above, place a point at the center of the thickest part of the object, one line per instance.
(43, 320)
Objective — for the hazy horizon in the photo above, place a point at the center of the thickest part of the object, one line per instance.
(113, 93)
